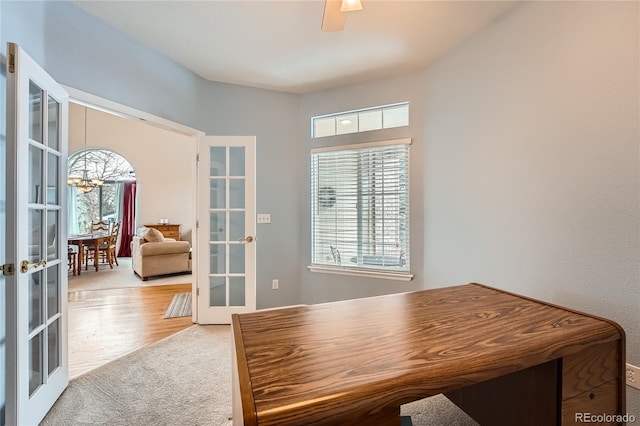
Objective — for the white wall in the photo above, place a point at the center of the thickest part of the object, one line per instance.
(524, 166)
(532, 147)
(163, 162)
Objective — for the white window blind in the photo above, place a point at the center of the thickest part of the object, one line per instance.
(360, 206)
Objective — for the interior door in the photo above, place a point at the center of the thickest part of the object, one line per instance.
(226, 246)
(37, 117)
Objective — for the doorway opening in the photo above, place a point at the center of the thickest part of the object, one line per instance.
(112, 311)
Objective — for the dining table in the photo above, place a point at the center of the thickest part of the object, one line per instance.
(89, 240)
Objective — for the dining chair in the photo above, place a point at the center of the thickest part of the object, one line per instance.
(89, 253)
(72, 257)
(100, 226)
(108, 250)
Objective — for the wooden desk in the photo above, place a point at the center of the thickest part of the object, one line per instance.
(503, 358)
(82, 240)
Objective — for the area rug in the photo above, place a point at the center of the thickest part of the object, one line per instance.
(121, 277)
(184, 379)
(180, 306)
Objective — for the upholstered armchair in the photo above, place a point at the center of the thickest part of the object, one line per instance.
(152, 254)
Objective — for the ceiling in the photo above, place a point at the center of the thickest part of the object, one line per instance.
(278, 45)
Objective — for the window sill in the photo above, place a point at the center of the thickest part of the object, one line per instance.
(387, 275)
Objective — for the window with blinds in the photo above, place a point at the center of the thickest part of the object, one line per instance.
(360, 206)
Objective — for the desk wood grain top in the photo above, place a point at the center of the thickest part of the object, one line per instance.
(309, 363)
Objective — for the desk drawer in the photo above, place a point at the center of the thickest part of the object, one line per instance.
(171, 234)
(599, 401)
(590, 368)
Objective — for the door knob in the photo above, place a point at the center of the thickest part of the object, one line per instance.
(248, 239)
(25, 265)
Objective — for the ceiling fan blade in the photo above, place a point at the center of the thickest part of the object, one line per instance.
(333, 19)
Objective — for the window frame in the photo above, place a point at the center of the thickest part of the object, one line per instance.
(360, 270)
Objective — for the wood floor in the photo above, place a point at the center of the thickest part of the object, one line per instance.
(106, 324)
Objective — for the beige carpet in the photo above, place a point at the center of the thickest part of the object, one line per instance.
(120, 277)
(184, 379)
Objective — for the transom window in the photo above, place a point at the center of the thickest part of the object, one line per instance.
(360, 207)
(361, 120)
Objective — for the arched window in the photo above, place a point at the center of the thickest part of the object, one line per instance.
(103, 202)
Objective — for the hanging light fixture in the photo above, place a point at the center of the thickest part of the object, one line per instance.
(84, 184)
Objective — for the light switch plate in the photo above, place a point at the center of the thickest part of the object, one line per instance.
(264, 218)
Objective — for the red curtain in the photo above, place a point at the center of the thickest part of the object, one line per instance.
(128, 218)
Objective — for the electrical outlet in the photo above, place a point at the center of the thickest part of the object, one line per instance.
(632, 374)
(274, 285)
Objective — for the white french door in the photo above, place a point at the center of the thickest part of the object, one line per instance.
(37, 117)
(226, 247)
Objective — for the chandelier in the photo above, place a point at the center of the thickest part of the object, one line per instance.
(83, 183)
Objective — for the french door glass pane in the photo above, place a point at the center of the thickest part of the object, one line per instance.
(54, 348)
(53, 290)
(218, 161)
(35, 174)
(35, 112)
(236, 226)
(52, 179)
(34, 236)
(236, 258)
(217, 193)
(236, 161)
(36, 296)
(217, 291)
(35, 363)
(54, 111)
(236, 193)
(236, 291)
(217, 254)
(217, 226)
(52, 231)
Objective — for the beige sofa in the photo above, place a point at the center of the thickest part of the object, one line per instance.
(153, 255)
